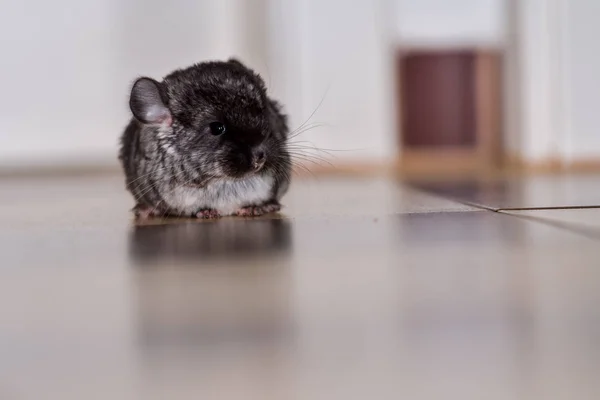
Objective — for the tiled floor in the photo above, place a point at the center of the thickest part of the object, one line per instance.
(360, 289)
(523, 192)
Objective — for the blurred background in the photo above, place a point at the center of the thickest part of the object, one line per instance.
(364, 287)
(424, 84)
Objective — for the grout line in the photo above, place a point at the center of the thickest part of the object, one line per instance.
(494, 209)
(476, 205)
(456, 200)
(450, 198)
(588, 233)
(548, 208)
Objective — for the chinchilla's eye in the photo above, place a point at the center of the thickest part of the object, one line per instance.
(217, 128)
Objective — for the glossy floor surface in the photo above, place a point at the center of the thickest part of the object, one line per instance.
(360, 289)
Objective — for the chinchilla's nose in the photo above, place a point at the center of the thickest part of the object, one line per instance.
(258, 159)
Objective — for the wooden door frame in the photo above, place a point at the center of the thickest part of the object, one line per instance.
(488, 107)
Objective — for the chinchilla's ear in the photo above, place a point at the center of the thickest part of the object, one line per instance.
(234, 61)
(237, 62)
(146, 103)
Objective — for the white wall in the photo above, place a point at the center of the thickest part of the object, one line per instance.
(450, 22)
(538, 136)
(67, 66)
(329, 59)
(582, 79)
(57, 80)
(329, 51)
(558, 62)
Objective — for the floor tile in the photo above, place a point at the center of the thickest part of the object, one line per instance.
(103, 201)
(327, 197)
(523, 192)
(325, 304)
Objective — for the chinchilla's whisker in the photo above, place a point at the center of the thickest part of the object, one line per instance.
(183, 184)
(318, 162)
(145, 175)
(304, 168)
(313, 161)
(295, 167)
(310, 157)
(281, 170)
(149, 186)
(154, 210)
(310, 145)
(316, 109)
(299, 162)
(302, 130)
(145, 191)
(153, 185)
(308, 150)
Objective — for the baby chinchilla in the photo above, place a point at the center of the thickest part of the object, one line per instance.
(205, 142)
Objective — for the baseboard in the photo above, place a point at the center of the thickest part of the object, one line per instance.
(552, 165)
(356, 168)
(455, 168)
(584, 165)
(353, 168)
(67, 171)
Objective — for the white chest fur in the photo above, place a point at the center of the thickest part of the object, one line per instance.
(226, 196)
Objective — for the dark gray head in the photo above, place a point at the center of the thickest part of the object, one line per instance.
(214, 116)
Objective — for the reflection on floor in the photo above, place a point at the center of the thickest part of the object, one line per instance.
(359, 289)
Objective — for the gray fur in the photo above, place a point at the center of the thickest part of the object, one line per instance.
(174, 165)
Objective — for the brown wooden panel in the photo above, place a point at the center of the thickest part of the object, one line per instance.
(438, 99)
